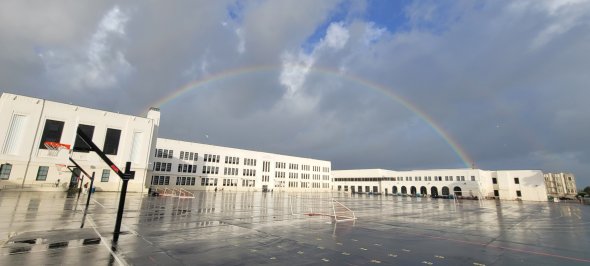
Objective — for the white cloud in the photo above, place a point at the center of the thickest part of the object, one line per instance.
(295, 69)
(98, 64)
(562, 16)
(297, 66)
(336, 37)
(372, 33)
(241, 41)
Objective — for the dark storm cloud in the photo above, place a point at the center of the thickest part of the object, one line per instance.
(506, 79)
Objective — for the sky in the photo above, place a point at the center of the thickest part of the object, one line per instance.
(397, 85)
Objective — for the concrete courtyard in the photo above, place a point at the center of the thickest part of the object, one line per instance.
(229, 228)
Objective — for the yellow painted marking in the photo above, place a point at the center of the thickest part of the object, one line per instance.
(326, 260)
(377, 245)
(376, 261)
(339, 243)
(345, 253)
(299, 252)
(406, 250)
(273, 258)
(320, 247)
(279, 246)
(392, 255)
(318, 239)
(354, 239)
(478, 264)
(363, 249)
(439, 257)
(427, 262)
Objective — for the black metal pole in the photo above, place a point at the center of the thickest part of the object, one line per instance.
(89, 192)
(81, 177)
(121, 204)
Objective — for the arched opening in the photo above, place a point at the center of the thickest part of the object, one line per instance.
(404, 190)
(434, 191)
(413, 190)
(445, 191)
(457, 191)
(394, 190)
(423, 190)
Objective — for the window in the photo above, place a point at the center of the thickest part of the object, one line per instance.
(79, 144)
(170, 153)
(518, 194)
(105, 175)
(496, 193)
(5, 170)
(51, 132)
(472, 178)
(15, 134)
(494, 180)
(516, 181)
(169, 167)
(42, 173)
(111, 141)
(181, 155)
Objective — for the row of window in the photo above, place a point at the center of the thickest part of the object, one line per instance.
(53, 130)
(293, 166)
(497, 193)
(211, 158)
(188, 168)
(230, 171)
(210, 170)
(495, 180)
(164, 153)
(280, 165)
(42, 172)
(295, 184)
(399, 178)
(185, 181)
(164, 167)
(190, 156)
(266, 166)
(232, 160)
(251, 162)
(248, 172)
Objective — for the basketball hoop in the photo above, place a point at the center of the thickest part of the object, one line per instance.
(62, 168)
(53, 148)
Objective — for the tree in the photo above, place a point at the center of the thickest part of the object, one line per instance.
(587, 190)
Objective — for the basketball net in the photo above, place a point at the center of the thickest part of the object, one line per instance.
(54, 148)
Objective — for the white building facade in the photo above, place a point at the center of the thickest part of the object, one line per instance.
(526, 185)
(195, 166)
(27, 123)
(25, 163)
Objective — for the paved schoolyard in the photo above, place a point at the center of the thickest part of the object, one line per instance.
(229, 228)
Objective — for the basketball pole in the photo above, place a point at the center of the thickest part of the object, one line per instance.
(125, 177)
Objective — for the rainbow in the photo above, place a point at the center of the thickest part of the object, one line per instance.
(452, 143)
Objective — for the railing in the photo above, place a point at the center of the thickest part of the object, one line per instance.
(185, 194)
(174, 192)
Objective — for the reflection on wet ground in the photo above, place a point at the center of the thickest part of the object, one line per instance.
(258, 228)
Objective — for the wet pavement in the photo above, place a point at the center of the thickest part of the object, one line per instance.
(251, 228)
